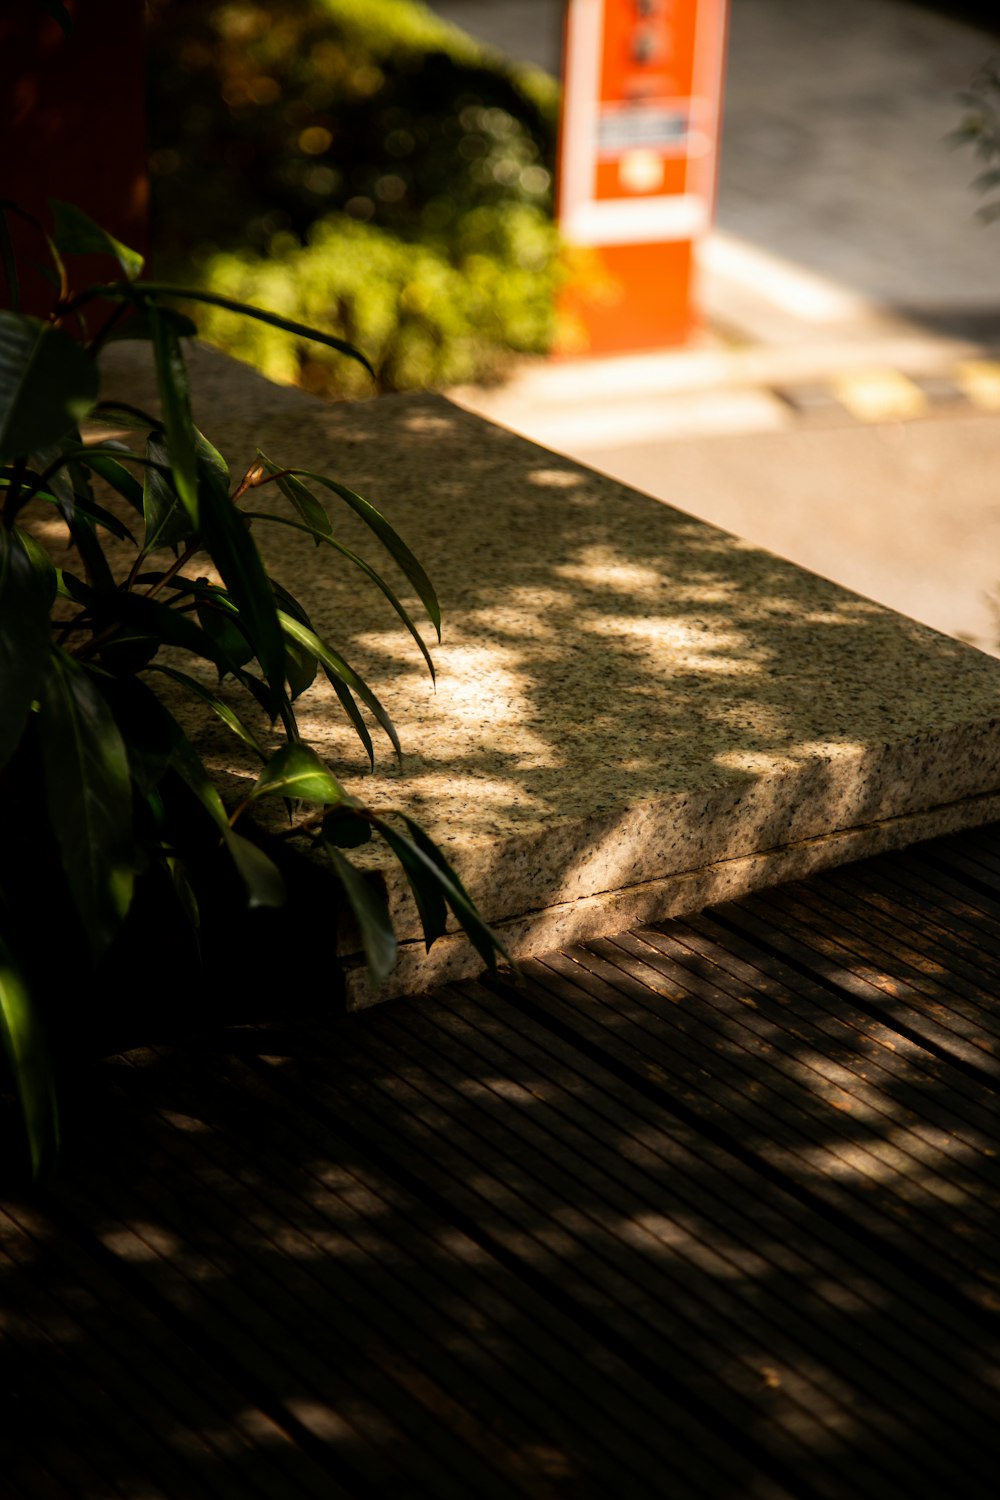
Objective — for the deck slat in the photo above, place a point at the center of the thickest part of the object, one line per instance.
(705, 1211)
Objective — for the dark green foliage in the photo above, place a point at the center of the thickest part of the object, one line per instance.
(360, 164)
(980, 128)
(110, 817)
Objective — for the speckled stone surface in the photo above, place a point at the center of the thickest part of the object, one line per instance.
(635, 712)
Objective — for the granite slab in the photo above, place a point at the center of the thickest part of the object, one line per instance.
(635, 712)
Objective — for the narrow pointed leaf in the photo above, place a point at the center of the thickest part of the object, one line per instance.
(226, 635)
(76, 234)
(296, 771)
(175, 399)
(89, 796)
(24, 1043)
(347, 703)
(264, 882)
(120, 414)
(156, 741)
(483, 939)
(24, 639)
(366, 568)
(334, 663)
(45, 572)
(159, 621)
(101, 460)
(189, 294)
(231, 719)
(369, 908)
(235, 554)
(424, 881)
(47, 384)
(305, 502)
(390, 539)
(167, 521)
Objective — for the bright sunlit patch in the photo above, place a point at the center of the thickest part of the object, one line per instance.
(554, 479)
(693, 646)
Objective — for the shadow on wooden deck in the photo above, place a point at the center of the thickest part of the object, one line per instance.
(705, 1210)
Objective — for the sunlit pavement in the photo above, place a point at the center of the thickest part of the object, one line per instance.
(841, 406)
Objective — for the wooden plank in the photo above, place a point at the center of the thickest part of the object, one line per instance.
(793, 1060)
(554, 1237)
(410, 1306)
(800, 1260)
(916, 1078)
(153, 1418)
(903, 955)
(248, 1302)
(900, 1005)
(903, 894)
(632, 1409)
(722, 1092)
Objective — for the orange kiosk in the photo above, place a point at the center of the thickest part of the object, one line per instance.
(642, 89)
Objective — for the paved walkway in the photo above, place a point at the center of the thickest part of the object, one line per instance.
(706, 1212)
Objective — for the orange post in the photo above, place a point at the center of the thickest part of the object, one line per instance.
(637, 164)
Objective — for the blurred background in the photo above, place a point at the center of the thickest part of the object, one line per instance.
(389, 165)
(388, 168)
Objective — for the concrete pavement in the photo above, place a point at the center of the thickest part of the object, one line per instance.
(833, 411)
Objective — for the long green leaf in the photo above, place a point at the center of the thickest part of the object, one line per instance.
(366, 568)
(121, 414)
(175, 400)
(89, 796)
(305, 502)
(377, 936)
(300, 665)
(47, 384)
(190, 294)
(297, 771)
(235, 554)
(390, 539)
(231, 719)
(483, 939)
(152, 618)
(103, 460)
(27, 1054)
(425, 883)
(24, 639)
(353, 712)
(76, 234)
(168, 522)
(336, 664)
(45, 571)
(156, 741)
(264, 882)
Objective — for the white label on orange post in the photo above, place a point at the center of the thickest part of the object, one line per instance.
(640, 118)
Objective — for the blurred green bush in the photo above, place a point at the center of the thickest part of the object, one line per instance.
(357, 164)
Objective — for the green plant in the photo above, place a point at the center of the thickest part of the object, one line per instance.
(103, 796)
(980, 129)
(373, 167)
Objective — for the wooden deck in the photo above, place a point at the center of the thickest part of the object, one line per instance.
(707, 1211)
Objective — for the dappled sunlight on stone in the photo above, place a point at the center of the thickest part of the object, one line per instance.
(554, 479)
(633, 708)
(602, 568)
(669, 644)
